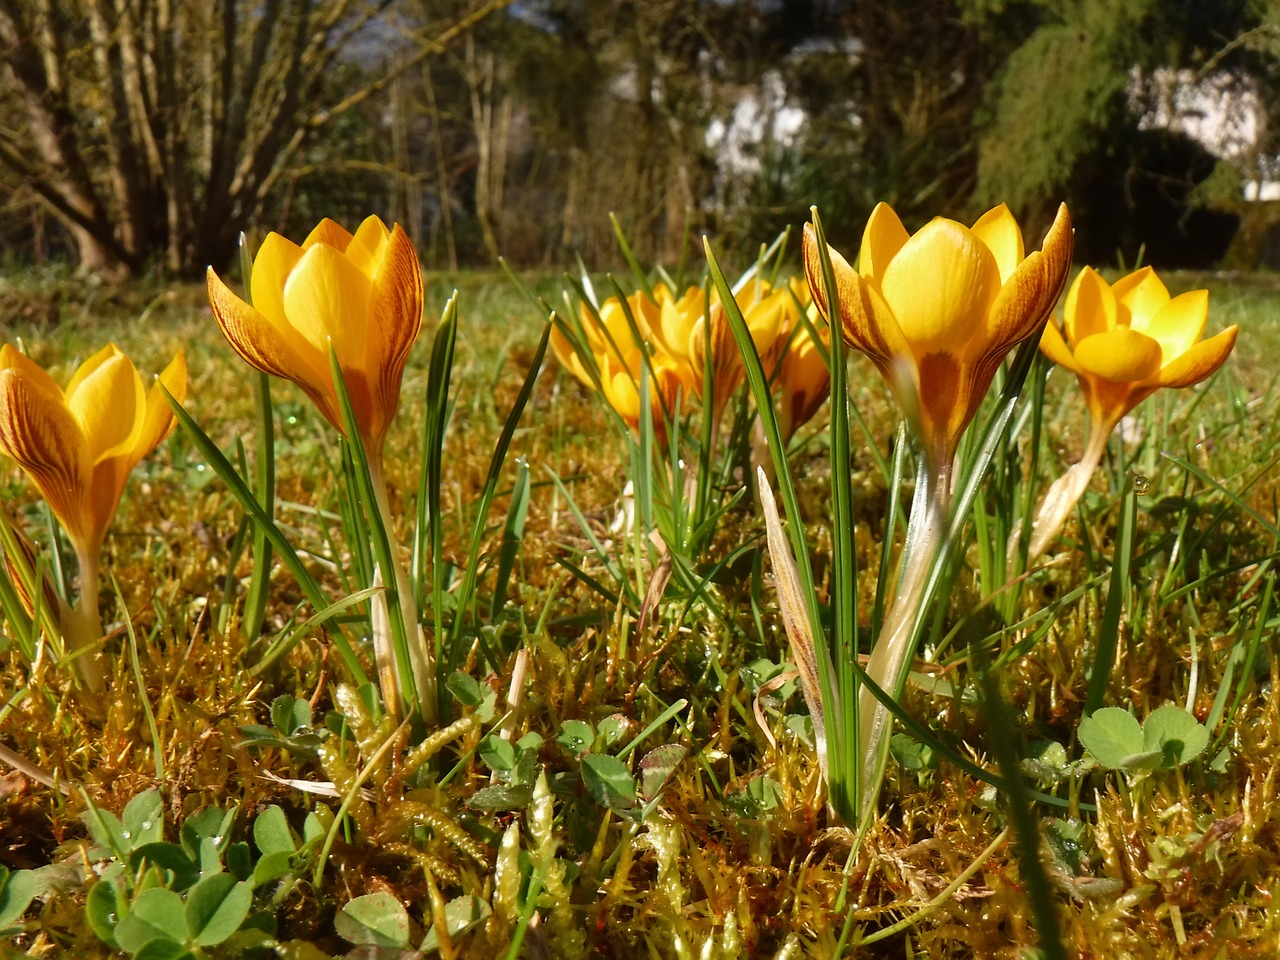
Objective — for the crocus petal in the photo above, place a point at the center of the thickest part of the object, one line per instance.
(940, 286)
(261, 344)
(562, 347)
(1055, 348)
(1120, 355)
(1029, 294)
(999, 231)
(30, 372)
(946, 405)
(1141, 293)
(611, 332)
(108, 402)
(1198, 362)
(883, 237)
(645, 311)
(866, 322)
(159, 418)
(368, 245)
(271, 267)
(1178, 325)
(1108, 401)
(326, 299)
(394, 320)
(805, 380)
(43, 437)
(675, 321)
(1090, 307)
(765, 319)
(90, 366)
(328, 232)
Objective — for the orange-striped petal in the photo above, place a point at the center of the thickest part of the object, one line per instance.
(394, 320)
(260, 343)
(1028, 296)
(29, 371)
(43, 437)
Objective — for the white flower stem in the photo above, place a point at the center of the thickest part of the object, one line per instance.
(84, 625)
(1063, 495)
(892, 653)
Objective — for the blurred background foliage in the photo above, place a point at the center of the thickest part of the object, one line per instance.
(139, 137)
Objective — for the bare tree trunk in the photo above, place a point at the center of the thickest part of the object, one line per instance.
(480, 83)
(1257, 221)
(442, 173)
(199, 110)
(578, 170)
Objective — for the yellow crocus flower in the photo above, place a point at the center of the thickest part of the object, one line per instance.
(607, 331)
(79, 446)
(361, 296)
(682, 335)
(620, 380)
(938, 310)
(362, 293)
(1123, 341)
(802, 380)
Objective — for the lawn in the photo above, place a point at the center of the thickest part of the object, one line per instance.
(625, 764)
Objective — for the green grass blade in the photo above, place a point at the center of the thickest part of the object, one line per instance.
(1236, 499)
(641, 275)
(1244, 656)
(245, 497)
(289, 638)
(512, 536)
(255, 601)
(428, 531)
(759, 383)
(466, 592)
(1026, 827)
(157, 745)
(893, 511)
(1108, 636)
(363, 477)
(847, 792)
(842, 793)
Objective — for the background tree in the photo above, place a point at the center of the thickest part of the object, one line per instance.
(1073, 114)
(155, 131)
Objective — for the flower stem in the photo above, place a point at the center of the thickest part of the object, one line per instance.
(84, 626)
(384, 651)
(1064, 494)
(892, 653)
